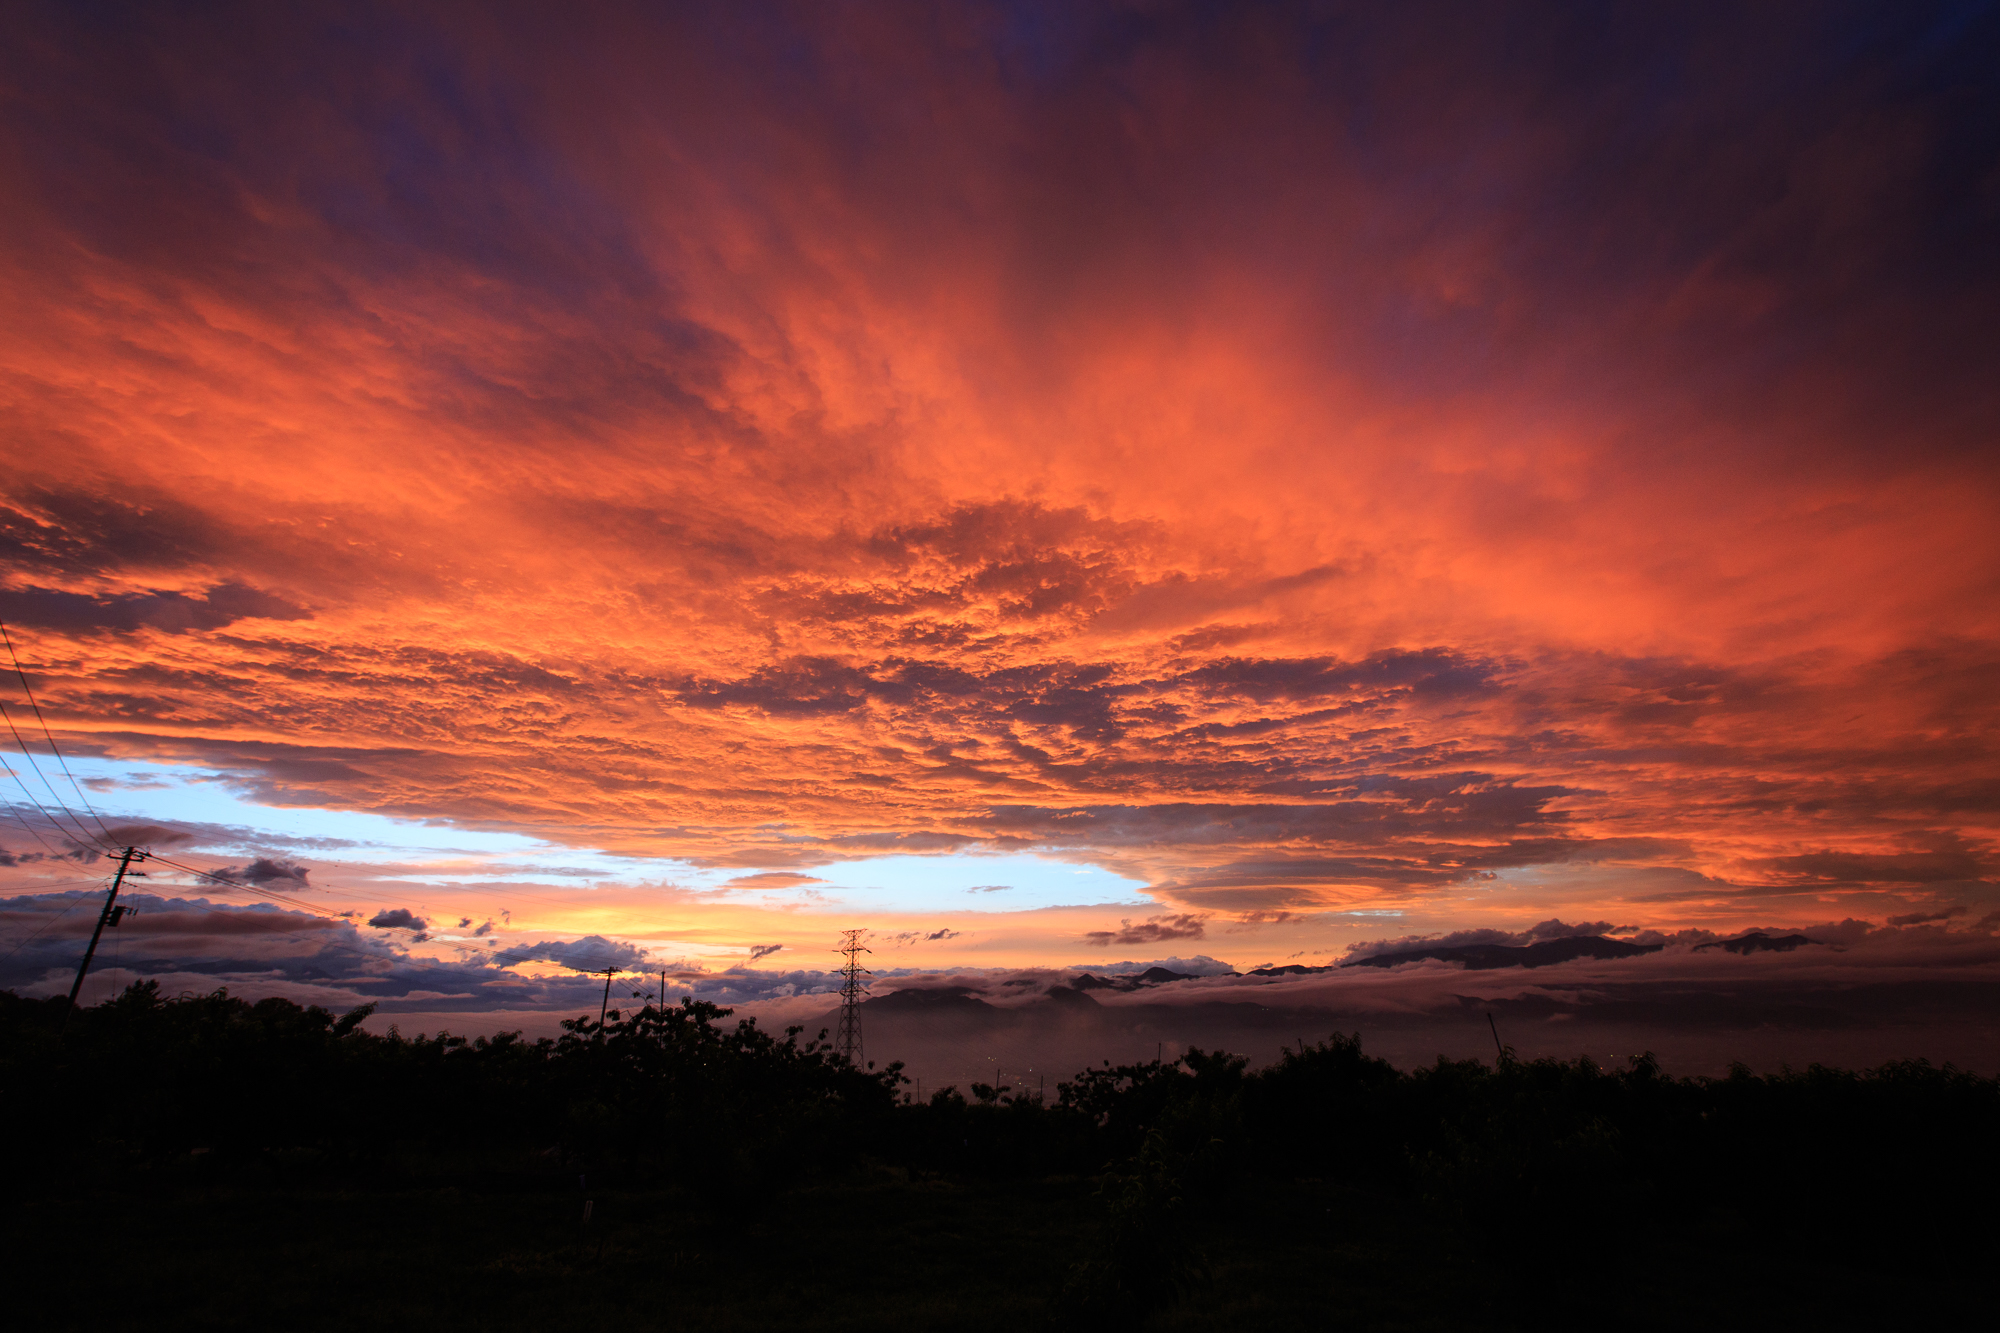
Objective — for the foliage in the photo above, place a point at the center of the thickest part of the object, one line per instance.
(1616, 1164)
(220, 1083)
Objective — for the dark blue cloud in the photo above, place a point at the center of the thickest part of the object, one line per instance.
(592, 953)
(174, 612)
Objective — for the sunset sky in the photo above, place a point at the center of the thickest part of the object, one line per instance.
(1052, 484)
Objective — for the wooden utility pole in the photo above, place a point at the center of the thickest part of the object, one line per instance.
(108, 917)
(604, 1007)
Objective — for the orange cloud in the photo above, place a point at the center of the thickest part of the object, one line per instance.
(1300, 486)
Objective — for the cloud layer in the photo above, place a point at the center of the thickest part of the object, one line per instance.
(1305, 459)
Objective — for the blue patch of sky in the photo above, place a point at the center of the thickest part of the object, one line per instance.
(182, 795)
(194, 797)
(964, 882)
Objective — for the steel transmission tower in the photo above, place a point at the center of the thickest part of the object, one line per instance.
(848, 1038)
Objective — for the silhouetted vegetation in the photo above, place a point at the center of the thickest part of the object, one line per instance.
(222, 1086)
(1175, 1191)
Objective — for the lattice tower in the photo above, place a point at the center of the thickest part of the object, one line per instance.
(848, 1039)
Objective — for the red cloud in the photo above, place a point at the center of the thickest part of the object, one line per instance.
(1132, 460)
(1153, 930)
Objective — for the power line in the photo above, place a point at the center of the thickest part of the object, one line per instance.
(33, 832)
(54, 749)
(75, 829)
(42, 888)
(81, 834)
(300, 936)
(211, 878)
(485, 890)
(54, 796)
(84, 837)
(75, 897)
(223, 881)
(324, 945)
(87, 839)
(205, 877)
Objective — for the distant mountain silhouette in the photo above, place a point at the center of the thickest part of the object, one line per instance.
(927, 1007)
(1152, 976)
(1481, 957)
(1288, 970)
(1756, 942)
(928, 1000)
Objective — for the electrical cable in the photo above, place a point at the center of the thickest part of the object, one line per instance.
(22, 783)
(222, 881)
(74, 898)
(103, 839)
(299, 936)
(324, 945)
(44, 886)
(86, 836)
(210, 877)
(213, 878)
(76, 831)
(33, 831)
(50, 736)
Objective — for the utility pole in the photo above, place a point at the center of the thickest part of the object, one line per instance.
(108, 917)
(848, 1039)
(603, 1007)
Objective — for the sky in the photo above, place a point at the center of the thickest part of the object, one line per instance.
(1053, 485)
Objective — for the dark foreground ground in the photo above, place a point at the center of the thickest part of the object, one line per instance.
(886, 1252)
(205, 1163)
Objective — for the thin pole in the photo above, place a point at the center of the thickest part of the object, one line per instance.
(125, 860)
(1501, 1058)
(609, 973)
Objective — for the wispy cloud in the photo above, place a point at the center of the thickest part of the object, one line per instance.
(1300, 469)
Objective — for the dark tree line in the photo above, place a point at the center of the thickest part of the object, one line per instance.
(212, 1084)
(1891, 1162)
